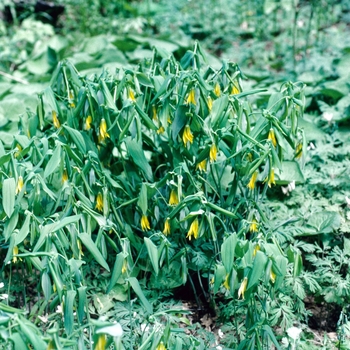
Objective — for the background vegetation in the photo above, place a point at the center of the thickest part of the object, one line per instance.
(174, 174)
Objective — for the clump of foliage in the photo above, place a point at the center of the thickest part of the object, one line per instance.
(123, 184)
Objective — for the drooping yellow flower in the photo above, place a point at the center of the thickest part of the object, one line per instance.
(161, 346)
(88, 121)
(55, 120)
(202, 166)
(256, 248)
(19, 184)
(167, 227)
(299, 151)
(101, 342)
(131, 95)
(226, 283)
(271, 179)
(213, 153)
(253, 226)
(217, 90)
(154, 109)
(80, 247)
(251, 184)
(103, 134)
(174, 199)
(271, 136)
(235, 90)
(160, 130)
(99, 202)
(51, 345)
(64, 176)
(15, 252)
(191, 98)
(187, 135)
(243, 288)
(272, 276)
(145, 225)
(193, 231)
(19, 147)
(210, 103)
(125, 266)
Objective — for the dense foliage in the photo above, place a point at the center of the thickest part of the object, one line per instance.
(144, 164)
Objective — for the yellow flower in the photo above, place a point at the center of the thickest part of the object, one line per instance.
(174, 199)
(99, 202)
(15, 252)
(51, 345)
(213, 153)
(161, 346)
(271, 179)
(226, 283)
(187, 135)
(217, 90)
(19, 147)
(272, 276)
(250, 157)
(202, 166)
(235, 90)
(251, 184)
(19, 184)
(145, 223)
(103, 134)
(101, 342)
(271, 136)
(64, 176)
(88, 122)
(160, 130)
(55, 120)
(193, 231)
(210, 103)
(256, 248)
(80, 248)
(243, 288)
(132, 95)
(253, 226)
(154, 109)
(191, 98)
(299, 151)
(125, 266)
(167, 227)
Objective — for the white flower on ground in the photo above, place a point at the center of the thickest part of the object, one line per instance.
(220, 333)
(114, 330)
(294, 333)
(328, 116)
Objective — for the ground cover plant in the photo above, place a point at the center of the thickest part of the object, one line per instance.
(121, 185)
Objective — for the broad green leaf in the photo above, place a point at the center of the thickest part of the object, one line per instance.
(290, 172)
(136, 152)
(46, 285)
(8, 195)
(218, 109)
(117, 271)
(258, 268)
(24, 231)
(32, 334)
(134, 283)
(68, 311)
(82, 300)
(153, 254)
(77, 138)
(92, 248)
(143, 200)
(325, 221)
(228, 252)
(219, 276)
(108, 96)
(54, 162)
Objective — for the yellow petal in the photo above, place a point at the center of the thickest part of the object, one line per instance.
(217, 90)
(64, 176)
(191, 98)
(99, 202)
(55, 120)
(19, 184)
(213, 153)
(187, 135)
(226, 283)
(251, 184)
(103, 134)
(243, 288)
(173, 200)
(167, 227)
(202, 166)
(271, 136)
(88, 122)
(235, 90)
(145, 225)
(193, 231)
(101, 342)
(253, 226)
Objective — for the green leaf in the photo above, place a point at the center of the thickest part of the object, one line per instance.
(228, 252)
(8, 195)
(54, 162)
(108, 96)
(24, 231)
(92, 248)
(142, 201)
(31, 333)
(136, 153)
(77, 138)
(290, 172)
(117, 271)
(258, 268)
(81, 303)
(217, 112)
(153, 254)
(134, 283)
(68, 311)
(325, 221)
(46, 285)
